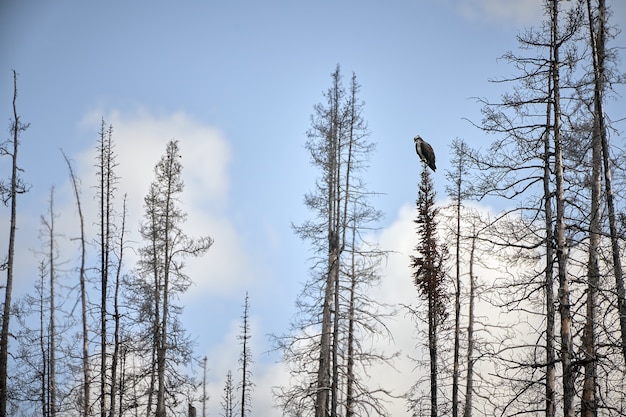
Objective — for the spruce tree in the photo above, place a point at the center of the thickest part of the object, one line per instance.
(429, 274)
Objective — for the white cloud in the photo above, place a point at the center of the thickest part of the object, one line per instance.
(397, 289)
(140, 140)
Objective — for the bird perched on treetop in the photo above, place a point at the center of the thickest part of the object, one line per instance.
(425, 152)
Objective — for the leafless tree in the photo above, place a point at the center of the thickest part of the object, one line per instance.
(116, 360)
(228, 397)
(597, 40)
(245, 361)
(334, 311)
(52, 325)
(469, 379)
(161, 276)
(9, 195)
(107, 183)
(551, 166)
(86, 409)
(458, 194)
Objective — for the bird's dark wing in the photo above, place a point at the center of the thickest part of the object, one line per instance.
(428, 154)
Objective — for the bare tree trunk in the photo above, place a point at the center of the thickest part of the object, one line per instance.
(156, 314)
(469, 387)
(598, 53)
(122, 378)
(588, 402)
(323, 395)
(115, 359)
(162, 337)
(52, 388)
(323, 374)
(83, 294)
(457, 295)
(350, 377)
(550, 379)
(43, 379)
(334, 397)
(105, 189)
(561, 244)
(156, 318)
(16, 188)
(204, 397)
(245, 360)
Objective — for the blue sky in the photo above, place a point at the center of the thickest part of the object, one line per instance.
(235, 82)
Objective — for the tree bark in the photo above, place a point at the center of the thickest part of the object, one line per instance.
(588, 401)
(598, 44)
(550, 378)
(561, 244)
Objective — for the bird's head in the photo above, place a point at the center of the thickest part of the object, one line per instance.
(417, 139)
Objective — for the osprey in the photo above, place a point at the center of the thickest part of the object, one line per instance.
(425, 152)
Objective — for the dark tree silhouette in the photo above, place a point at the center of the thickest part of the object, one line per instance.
(429, 274)
(9, 195)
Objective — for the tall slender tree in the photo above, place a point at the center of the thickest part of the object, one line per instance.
(597, 40)
(457, 193)
(469, 379)
(428, 276)
(548, 196)
(86, 406)
(52, 322)
(228, 402)
(161, 271)
(204, 394)
(335, 316)
(245, 361)
(9, 195)
(107, 182)
(561, 245)
(116, 360)
(531, 162)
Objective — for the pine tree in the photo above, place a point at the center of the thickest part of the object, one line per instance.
(429, 274)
